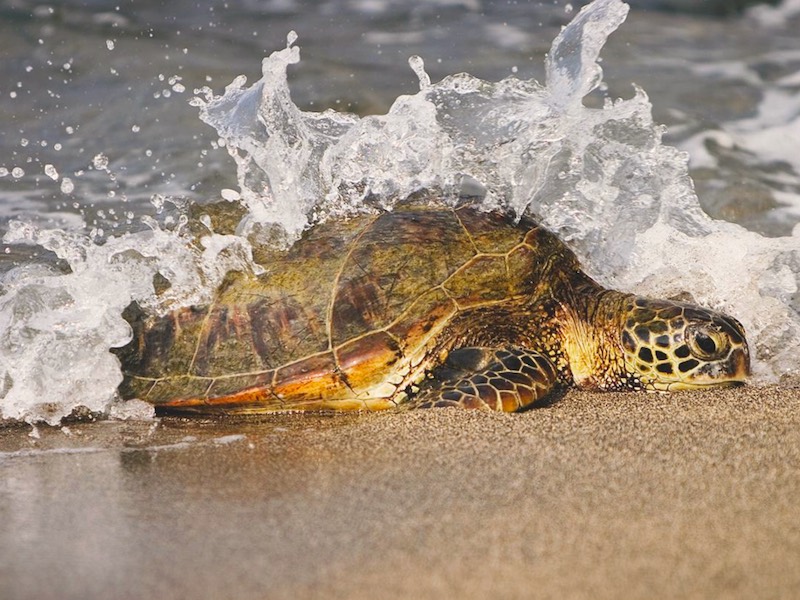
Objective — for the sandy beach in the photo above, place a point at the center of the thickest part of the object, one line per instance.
(690, 495)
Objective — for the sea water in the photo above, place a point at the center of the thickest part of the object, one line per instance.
(592, 166)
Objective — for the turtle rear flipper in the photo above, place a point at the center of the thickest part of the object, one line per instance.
(490, 379)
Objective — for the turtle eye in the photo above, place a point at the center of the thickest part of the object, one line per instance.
(707, 344)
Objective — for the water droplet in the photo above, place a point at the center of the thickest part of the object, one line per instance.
(51, 172)
(17, 172)
(100, 162)
(135, 129)
(230, 195)
(110, 44)
(157, 200)
(418, 66)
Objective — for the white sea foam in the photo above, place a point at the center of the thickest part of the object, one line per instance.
(131, 410)
(57, 328)
(36, 453)
(600, 177)
(768, 139)
(229, 439)
(775, 16)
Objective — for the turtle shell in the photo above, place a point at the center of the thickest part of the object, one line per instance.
(347, 318)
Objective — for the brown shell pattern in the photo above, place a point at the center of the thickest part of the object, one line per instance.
(346, 318)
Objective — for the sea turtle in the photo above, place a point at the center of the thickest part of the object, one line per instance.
(423, 305)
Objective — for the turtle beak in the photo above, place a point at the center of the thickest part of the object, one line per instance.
(736, 371)
(678, 386)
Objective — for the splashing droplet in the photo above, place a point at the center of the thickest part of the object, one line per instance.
(230, 195)
(100, 162)
(418, 66)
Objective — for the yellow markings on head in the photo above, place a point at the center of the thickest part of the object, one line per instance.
(669, 346)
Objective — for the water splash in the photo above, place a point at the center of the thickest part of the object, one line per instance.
(600, 177)
(57, 327)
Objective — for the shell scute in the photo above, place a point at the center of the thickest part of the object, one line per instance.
(184, 386)
(285, 330)
(552, 250)
(424, 317)
(310, 379)
(162, 347)
(400, 257)
(226, 386)
(490, 232)
(365, 361)
(226, 343)
(526, 270)
(482, 279)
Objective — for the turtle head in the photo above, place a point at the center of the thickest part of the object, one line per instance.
(675, 346)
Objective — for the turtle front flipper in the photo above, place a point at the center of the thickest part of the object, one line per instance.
(489, 379)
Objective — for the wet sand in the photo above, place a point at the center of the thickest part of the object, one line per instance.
(596, 496)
